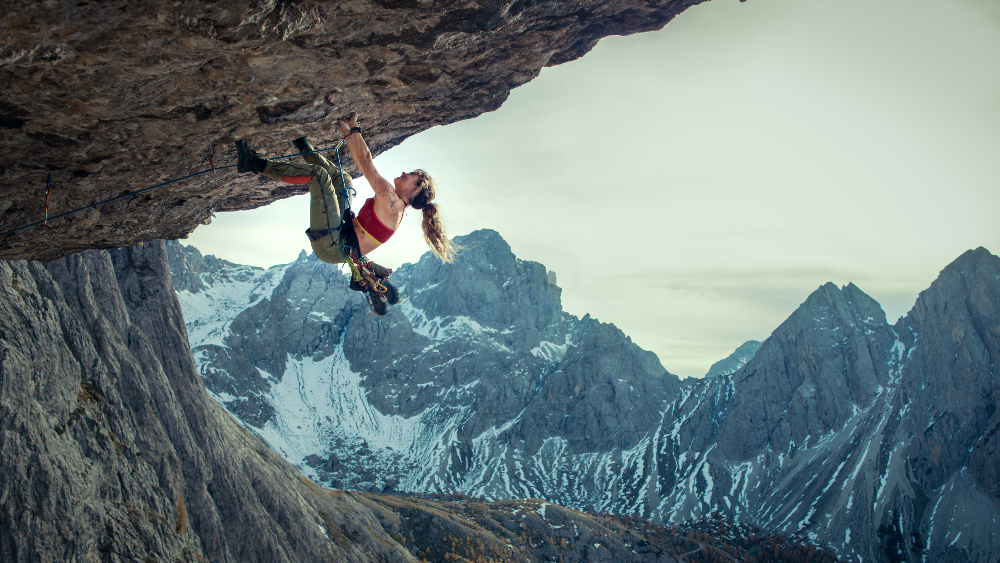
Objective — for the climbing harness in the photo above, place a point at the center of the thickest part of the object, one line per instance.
(213, 169)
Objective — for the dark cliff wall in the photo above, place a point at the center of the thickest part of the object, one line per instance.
(114, 97)
(111, 449)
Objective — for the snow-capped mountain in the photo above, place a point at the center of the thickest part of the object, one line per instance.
(878, 441)
(479, 354)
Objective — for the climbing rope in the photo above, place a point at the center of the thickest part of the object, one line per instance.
(144, 190)
(340, 167)
(357, 264)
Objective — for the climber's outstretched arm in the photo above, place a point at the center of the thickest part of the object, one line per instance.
(383, 188)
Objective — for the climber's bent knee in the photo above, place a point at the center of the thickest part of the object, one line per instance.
(324, 250)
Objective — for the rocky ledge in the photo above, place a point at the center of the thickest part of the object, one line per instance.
(114, 97)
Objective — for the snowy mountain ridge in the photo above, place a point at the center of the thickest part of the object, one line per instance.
(479, 383)
(739, 358)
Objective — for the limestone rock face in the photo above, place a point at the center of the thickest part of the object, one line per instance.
(114, 98)
(884, 436)
(110, 449)
(946, 430)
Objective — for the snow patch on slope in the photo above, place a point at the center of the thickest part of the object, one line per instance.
(208, 313)
(551, 351)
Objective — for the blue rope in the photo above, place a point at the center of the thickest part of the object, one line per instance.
(346, 249)
(213, 169)
(347, 190)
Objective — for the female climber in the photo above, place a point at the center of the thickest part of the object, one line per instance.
(338, 236)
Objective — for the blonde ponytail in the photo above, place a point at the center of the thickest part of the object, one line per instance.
(433, 228)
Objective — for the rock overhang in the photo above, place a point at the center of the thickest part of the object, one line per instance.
(111, 98)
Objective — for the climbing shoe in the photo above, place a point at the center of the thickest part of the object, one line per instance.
(376, 301)
(303, 145)
(247, 159)
(391, 293)
(380, 272)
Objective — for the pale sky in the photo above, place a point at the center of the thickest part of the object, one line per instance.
(734, 161)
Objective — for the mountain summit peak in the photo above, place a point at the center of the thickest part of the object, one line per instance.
(973, 262)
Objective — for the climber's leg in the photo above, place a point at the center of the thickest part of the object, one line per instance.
(324, 206)
(335, 173)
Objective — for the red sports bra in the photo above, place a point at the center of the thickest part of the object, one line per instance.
(371, 225)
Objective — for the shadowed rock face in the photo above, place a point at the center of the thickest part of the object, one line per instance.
(111, 98)
(110, 449)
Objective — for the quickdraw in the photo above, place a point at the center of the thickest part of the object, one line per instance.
(359, 270)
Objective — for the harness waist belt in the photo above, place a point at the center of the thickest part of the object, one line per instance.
(316, 235)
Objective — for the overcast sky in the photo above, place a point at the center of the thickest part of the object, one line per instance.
(736, 161)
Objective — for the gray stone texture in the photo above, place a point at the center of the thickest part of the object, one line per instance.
(804, 381)
(111, 450)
